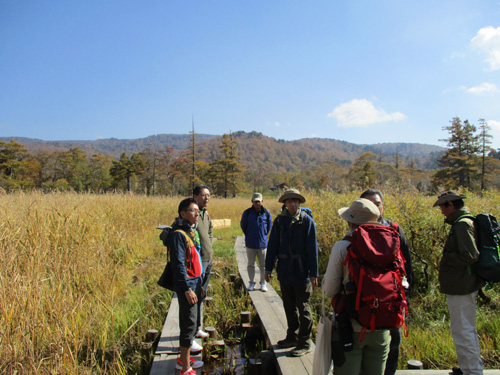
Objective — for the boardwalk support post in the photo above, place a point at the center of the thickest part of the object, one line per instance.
(152, 335)
(414, 364)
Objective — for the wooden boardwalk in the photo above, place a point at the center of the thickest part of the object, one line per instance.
(270, 309)
(168, 347)
(439, 372)
(272, 315)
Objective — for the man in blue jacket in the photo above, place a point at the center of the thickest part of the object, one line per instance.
(293, 243)
(256, 224)
(187, 269)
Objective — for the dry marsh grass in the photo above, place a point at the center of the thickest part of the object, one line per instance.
(78, 277)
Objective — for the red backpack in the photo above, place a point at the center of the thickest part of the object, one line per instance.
(376, 266)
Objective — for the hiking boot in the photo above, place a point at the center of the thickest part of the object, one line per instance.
(189, 371)
(195, 347)
(251, 286)
(263, 287)
(192, 362)
(300, 350)
(201, 334)
(287, 343)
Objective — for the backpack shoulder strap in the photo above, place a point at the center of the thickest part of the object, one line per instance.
(189, 240)
(394, 225)
(473, 218)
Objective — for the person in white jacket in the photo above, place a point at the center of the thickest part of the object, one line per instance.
(366, 357)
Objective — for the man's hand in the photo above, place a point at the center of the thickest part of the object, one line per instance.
(191, 297)
(267, 275)
(314, 281)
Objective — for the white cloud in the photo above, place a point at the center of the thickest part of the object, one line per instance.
(362, 113)
(495, 125)
(487, 39)
(277, 124)
(484, 89)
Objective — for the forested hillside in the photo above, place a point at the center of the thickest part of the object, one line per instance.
(230, 164)
(255, 150)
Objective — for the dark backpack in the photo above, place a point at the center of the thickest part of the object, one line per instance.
(488, 244)
(167, 278)
(376, 268)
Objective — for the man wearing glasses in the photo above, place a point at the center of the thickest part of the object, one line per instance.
(187, 271)
(201, 194)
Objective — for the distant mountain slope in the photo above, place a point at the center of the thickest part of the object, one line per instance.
(265, 154)
(257, 151)
(112, 146)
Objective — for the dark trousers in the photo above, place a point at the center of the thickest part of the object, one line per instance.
(392, 358)
(207, 268)
(188, 315)
(298, 311)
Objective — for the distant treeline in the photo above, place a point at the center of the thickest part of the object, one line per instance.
(231, 164)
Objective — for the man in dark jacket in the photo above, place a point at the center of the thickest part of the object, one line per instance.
(187, 270)
(377, 198)
(256, 224)
(456, 280)
(293, 243)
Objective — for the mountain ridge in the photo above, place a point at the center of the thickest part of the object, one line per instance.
(257, 151)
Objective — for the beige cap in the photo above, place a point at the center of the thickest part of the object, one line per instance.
(257, 197)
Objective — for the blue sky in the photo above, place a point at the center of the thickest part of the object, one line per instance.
(359, 71)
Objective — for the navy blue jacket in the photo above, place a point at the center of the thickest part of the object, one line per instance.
(256, 227)
(295, 247)
(186, 261)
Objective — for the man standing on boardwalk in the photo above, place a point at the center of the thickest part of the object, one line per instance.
(458, 282)
(377, 198)
(187, 271)
(201, 194)
(256, 224)
(293, 244)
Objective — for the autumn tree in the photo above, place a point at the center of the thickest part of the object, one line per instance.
(99, 178)
(485, 149)
(331, 175)
(460, 162)
(126, 168)
(13, 161)
(362, 173)
(227, 170)
(164, 158)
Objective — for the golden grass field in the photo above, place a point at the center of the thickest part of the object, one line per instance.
(78, 277)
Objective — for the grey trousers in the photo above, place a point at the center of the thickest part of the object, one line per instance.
(251, 255)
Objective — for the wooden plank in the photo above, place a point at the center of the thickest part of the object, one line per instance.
(169, 339)
(221, 223)
(167, 351)
(439, 372)
(163, 364)
(269, 307)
